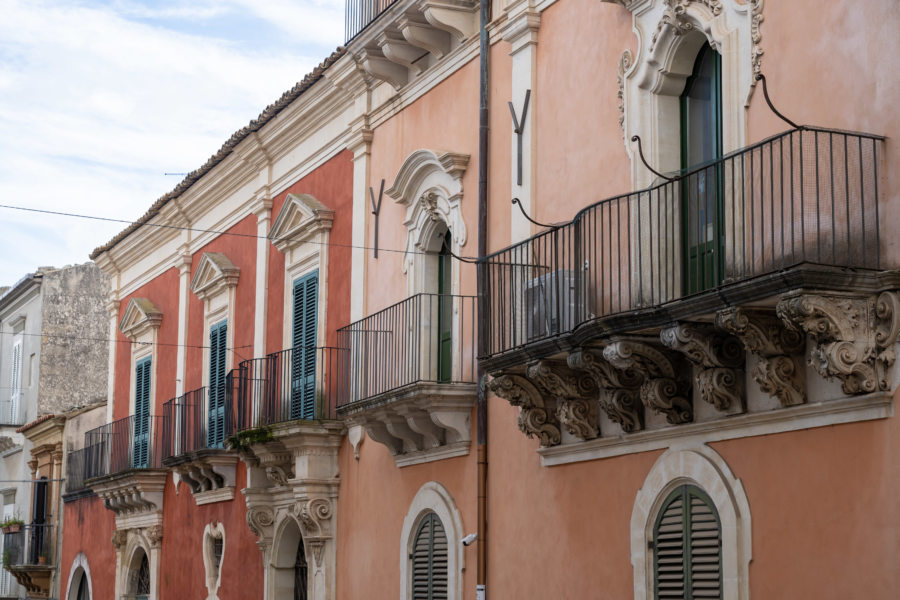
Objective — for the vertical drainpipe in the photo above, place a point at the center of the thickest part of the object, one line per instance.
(483, 128)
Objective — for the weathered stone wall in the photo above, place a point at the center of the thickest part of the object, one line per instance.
(73, 348)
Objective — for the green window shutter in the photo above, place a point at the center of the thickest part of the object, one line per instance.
(429, 560)
(303, 357)
(141, 455)
(687, 557)
(215, 433)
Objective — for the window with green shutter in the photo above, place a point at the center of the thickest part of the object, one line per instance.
(429, 560)
(215, 432)
(303, 357)
(141, 456)
(687, 549)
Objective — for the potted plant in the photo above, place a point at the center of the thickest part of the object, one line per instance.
(12, 524)
(42, 559)
(7, 558)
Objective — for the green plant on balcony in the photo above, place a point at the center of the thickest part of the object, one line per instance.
(12, 524)
(7, 558)
(242, 440)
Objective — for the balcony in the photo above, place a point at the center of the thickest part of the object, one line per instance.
(28, 555)
(123, 465)
(195, 426)
(75, 486)
(638, 313)
(411, 376)
(11, 410)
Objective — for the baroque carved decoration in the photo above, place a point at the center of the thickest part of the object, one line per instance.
(674, 15)
(625, 62)
(854, 336)
(260, 518)
(314, 516)
(719, 357)
(536, 419)
(119, 539)
(779, 370)
(665, 389)
(575, 394)
(154, 535)
(620, 389)
(756, 51)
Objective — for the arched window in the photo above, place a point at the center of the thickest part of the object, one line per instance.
(301, 573)
(142, 579)
(687, 553)
(83, 593)
(429, 560)
(701, 144)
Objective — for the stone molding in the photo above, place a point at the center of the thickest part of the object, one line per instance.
(719, 359)
(665, 388)
(575, 394)
(210, 474)
(136, 497)
(215, 273)
(779, 368)
(300, 219)
(140, 317)
(853, 336)
(537, 417)
(419, 423)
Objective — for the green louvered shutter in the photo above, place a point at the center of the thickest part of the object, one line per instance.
(303, 358)
(687, 558)
(215, 432)
(141, 455)
(429, 560)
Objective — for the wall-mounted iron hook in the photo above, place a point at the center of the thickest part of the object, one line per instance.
(761, 77)
(637, 138)
(518, 202)
(376, 208)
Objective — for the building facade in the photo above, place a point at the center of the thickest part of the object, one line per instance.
(569, 284)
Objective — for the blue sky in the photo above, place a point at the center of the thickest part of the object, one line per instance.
(98, 100)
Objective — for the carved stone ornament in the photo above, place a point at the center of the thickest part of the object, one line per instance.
(119, 539)
(620, 389)
(779, 370)
(625, 62)
(756, 51)
(314, 516)
(854, 336)
(260, 518)
(665, 389)
(674, 15)
(535, 417)
(154, 535)
(719, 357)
(575, 394)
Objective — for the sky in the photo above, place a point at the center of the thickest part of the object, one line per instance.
(99, 100)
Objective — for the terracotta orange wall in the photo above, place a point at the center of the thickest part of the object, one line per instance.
(181, 566)
(88, 528)
(163, 293)
(332, 185)
(241, 251)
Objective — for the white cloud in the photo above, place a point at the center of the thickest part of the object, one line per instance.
(96, 104)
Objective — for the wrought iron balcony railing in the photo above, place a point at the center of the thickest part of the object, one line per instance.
(425, 338)
(123, 445)
(807, 195)
(75, 471)
(30, 545)
(199, 420)
(360, 13)
(300, 383)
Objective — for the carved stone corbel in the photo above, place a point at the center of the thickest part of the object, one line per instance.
(314, 516)
(779, 368)
(575, 394)
(260, 520)
(620, 395)
(719, 357)
(854, 336)
(119, 539)
(154, 535)
(665, 388)
(536, 419)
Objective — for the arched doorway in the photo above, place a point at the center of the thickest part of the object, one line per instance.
(79, 586)
(290, 569)
(138, 582)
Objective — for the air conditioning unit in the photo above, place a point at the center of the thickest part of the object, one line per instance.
(549, 304)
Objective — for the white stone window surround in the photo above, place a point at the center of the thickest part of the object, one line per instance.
(140, 323)
(702, 466)
(670, 33)
(429, 185)
(215, 283)
(433, 497)
(212, 532)
(302, 231)
(137, 543)
(79, 566)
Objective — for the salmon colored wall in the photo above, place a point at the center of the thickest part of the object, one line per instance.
(580, 155)
(181, 565)
(241, 251)
(163, 293)
(332, 185)
(88, 528)
(500, 150)
(374, 499)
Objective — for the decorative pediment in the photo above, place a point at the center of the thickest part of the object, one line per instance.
(214, 274)
(300, 218)
(140, 315)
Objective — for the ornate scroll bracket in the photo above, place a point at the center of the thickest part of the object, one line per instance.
(719, 359)
(536, 417)
(575, 394)
(779, 369)
(854, 336)
(620, 396)
(665, 389)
